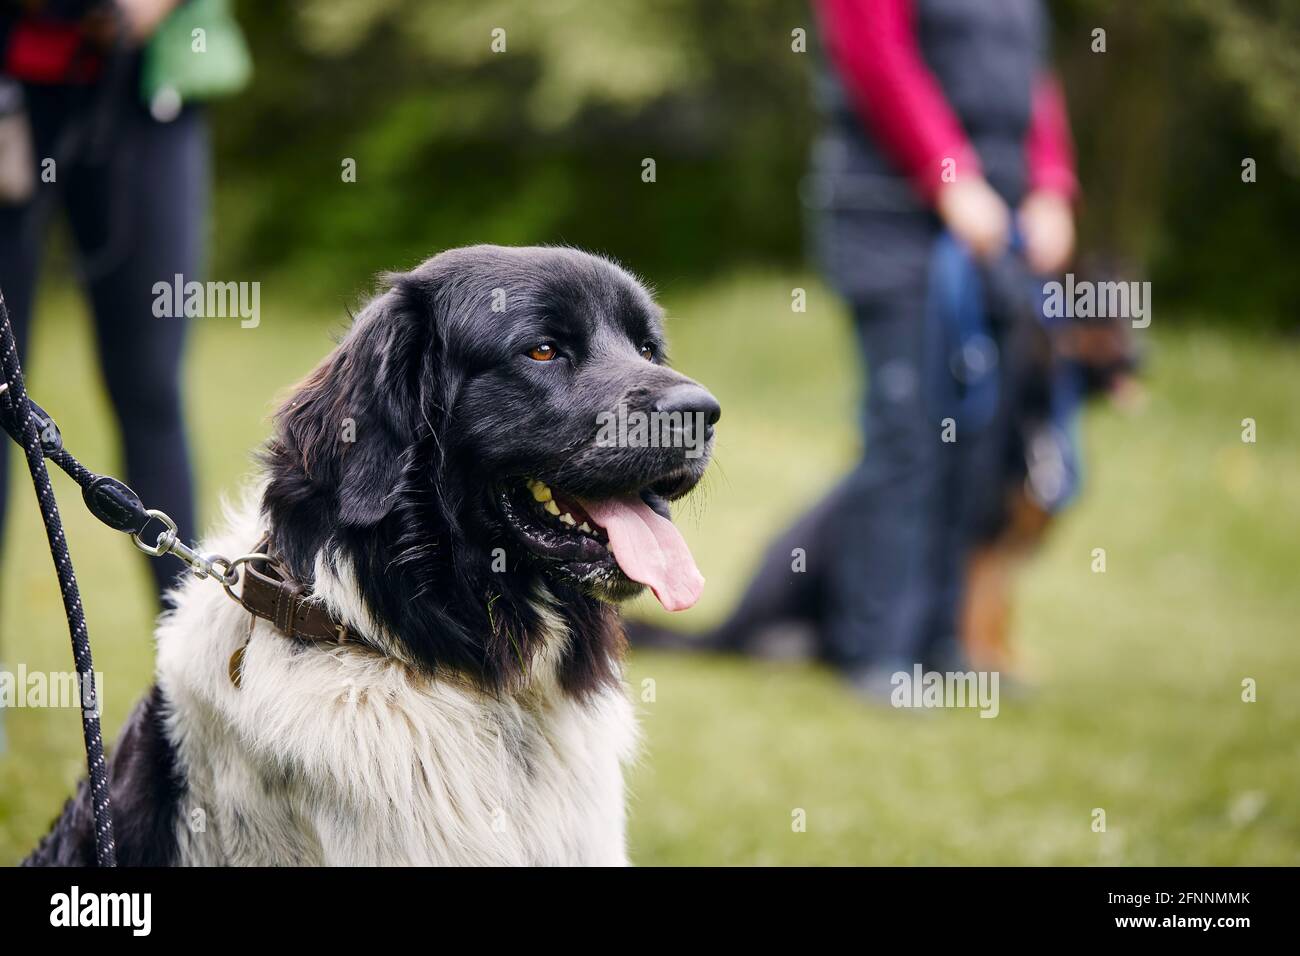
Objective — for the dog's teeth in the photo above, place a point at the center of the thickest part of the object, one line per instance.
(568, 519)
(585, 527)
(552, 508)
(540, 492)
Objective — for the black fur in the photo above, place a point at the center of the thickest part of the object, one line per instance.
(447, 409)
(146, 789)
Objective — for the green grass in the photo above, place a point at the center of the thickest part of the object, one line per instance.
(1136, 707)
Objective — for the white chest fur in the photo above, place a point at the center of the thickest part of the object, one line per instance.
(342, 756)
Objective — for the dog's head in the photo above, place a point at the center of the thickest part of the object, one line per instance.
(498, 419)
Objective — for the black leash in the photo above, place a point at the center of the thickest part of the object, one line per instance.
(21, 421)
(116, 505)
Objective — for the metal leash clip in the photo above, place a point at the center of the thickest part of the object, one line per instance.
(203, 565)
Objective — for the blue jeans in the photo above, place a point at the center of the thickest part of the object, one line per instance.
(898, 545)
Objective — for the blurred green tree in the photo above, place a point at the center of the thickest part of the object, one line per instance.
(463, 134)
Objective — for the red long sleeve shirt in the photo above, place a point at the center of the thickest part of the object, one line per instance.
(874, 48)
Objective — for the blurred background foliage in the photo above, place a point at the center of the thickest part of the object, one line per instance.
(1138, 672)
(541, 142)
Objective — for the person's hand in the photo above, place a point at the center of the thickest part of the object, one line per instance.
(139, 18)
(1047, 223)
(976, 215)
(144, 16)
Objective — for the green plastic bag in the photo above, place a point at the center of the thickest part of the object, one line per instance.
(197, 53)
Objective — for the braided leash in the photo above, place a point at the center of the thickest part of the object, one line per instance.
(26, 433)
(116, 505)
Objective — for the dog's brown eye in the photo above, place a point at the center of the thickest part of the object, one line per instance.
(648, 352)
(542, 353)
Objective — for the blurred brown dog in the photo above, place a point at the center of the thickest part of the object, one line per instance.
(1103, 353)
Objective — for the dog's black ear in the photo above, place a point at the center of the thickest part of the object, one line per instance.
(351, 430)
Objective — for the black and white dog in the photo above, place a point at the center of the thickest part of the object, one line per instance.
(439, 484)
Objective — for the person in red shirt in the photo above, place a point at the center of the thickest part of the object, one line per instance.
(886, 82)
(944, 126)
(940, 115)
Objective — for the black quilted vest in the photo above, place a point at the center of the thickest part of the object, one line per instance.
(985, 55)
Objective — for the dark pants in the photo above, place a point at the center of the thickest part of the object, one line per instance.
(898, 541)
(136, 204)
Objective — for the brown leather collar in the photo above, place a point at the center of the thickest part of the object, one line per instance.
(270, 593)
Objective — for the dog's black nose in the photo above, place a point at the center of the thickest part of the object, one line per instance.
(689, 398)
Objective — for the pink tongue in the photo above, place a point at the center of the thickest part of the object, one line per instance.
(650, 550)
